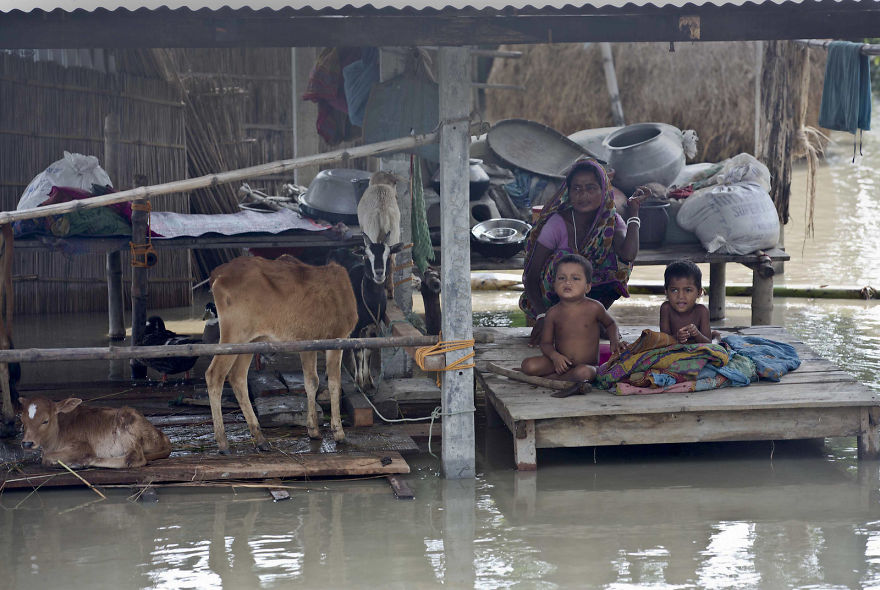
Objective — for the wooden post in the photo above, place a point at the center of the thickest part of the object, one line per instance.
(611, 84)
(395, 362)
(115, 313)
(305, 113)
(717, 290)
(139, 288)
(458, 459)
(762, 299)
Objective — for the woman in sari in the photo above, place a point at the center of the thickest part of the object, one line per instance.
(581, 218)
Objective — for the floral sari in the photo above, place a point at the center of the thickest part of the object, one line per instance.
(596, 245)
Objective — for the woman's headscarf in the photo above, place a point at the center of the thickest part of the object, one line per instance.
(596, 245)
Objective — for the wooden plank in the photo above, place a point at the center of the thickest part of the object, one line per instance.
(411, 390)
(278, 493)
(359, 410)
(263, 383)
(675, 427)
(205, 468)
(284, 410)
(523, 406)
(366, 27)
(499, 406)
(401, 489)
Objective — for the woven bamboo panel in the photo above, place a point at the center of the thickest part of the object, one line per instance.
(49, 108)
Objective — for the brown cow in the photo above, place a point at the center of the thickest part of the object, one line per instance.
(82, 436)
(277, 301)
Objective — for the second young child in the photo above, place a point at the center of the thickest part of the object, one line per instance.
(680, 315)
(570, 338)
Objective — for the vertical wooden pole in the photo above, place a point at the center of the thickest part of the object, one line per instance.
(115, 313)
(611, 84)
(762, 299)
(305, 113)
(717, 290)
(139, 289)
(458, 460)
(397, 363)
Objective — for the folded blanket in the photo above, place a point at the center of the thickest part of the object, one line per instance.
(772, 359)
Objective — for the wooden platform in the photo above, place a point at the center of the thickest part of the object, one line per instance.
(817, 400)
(366, 452)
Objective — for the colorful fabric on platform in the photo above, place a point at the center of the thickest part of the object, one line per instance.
(772, 359)
(682, 361)
(596, 245)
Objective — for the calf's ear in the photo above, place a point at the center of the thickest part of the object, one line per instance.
(23, 402)
(67, 405)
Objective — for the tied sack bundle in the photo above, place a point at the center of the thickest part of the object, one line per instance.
(736, 216)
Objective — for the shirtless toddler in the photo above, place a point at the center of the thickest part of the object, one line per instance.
(680, 315)
(570, 338)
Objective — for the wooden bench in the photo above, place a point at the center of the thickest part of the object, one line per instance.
(762, 277)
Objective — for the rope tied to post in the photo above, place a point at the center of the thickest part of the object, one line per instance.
(442, 347)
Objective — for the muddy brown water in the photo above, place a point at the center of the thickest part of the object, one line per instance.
(761, 515)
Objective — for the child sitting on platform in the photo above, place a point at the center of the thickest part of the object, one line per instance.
(570, 339)
(680, 315)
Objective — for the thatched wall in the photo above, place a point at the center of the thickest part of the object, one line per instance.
(47, 109)
(708, 87)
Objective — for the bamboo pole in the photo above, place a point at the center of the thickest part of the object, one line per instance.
(181, 186)
(165, 351)
(865, 49)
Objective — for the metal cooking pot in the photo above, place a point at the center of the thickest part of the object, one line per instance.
(499, 238)
(333, 195)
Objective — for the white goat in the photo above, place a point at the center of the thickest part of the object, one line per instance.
(379, 218)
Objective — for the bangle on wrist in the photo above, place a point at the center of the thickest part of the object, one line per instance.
(540, 316)
(635, 220)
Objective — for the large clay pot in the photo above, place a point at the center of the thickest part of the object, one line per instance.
(644, 152)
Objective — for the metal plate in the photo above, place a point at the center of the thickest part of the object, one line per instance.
(533, 147)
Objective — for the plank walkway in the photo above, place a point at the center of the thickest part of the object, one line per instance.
(368, 452)
(817, 400)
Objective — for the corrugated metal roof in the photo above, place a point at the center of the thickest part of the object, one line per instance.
(90, 5)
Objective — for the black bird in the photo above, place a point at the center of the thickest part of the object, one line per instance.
(155, 334)
(211, 332)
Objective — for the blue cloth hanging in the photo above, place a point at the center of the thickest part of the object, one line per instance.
(358, 79)
(846, 96)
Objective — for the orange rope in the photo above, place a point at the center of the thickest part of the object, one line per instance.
(442, 347)
(143, 255)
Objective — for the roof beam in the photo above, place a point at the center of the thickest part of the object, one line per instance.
(229, 28)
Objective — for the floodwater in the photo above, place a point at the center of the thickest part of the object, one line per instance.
(722, 515)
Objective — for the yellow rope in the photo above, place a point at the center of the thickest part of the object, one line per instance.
(442, 347)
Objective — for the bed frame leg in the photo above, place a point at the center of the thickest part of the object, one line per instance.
(717, 290)
(524, 446)
(869, 437)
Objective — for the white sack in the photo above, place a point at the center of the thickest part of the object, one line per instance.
(73, 170)
(731, 219)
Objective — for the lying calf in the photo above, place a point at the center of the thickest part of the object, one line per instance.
(82, 436)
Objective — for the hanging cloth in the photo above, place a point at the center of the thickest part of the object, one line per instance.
(846, 95)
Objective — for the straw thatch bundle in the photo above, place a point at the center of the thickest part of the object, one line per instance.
(708, 87)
